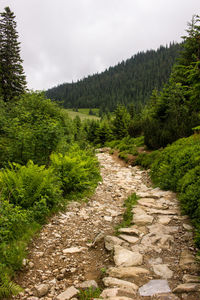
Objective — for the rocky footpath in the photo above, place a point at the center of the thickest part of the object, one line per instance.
(152, 259)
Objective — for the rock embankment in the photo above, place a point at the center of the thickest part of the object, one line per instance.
(152, 259)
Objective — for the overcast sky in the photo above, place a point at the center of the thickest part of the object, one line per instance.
(65, 40)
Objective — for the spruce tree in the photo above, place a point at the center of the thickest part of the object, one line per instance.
(12, 78)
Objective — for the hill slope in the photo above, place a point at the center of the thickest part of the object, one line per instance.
(130, 81)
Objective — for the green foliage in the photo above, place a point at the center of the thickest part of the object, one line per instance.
(129, 203)
(126, 146)
(89, 293)
(173, 113)
(77, 169)
(120, 122)
(177, 168)
(146, 159)
(174, 161)
(13, 221)
(7, 287)
(27, 186)
(32, 129)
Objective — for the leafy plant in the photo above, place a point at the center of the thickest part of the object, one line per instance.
(89, 293)
(27, 185)
(78, 170)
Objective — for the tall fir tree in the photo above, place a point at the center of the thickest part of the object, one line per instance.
(12, 78)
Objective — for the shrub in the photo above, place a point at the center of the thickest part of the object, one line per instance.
(189, 187)
(174, 161)
(177, 168)
(13, 221)
(146, 159)
(78, 169)
(27, 186)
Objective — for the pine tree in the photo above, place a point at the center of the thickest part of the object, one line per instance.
(12, 78)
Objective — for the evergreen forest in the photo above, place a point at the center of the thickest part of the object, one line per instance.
(150, 116)
(131, 81)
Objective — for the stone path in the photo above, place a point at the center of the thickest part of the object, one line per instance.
(152, 259)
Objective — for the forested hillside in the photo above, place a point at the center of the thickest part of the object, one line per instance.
(131, 81)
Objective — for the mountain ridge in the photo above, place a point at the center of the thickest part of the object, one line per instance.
(130, 81)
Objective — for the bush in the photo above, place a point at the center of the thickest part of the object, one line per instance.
(78, 169)
(13, 221)
(174, 161)
(31, 187)
(177, 168)
(189, 187)
(147, 159)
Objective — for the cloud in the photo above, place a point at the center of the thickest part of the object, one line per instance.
(66, 40)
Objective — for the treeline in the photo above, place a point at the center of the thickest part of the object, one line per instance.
(41, 165)
(171, 113)
(131, 81)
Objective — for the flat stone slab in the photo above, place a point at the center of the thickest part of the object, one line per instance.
(163, 211)
(111, 241)
(187, 288)
(187, 227)
(88, 284)
(68, 294)
(142, 219)
(115, 282)
(127, 272)
(154, 287)
(188, 261)
(118, 292)
(152, 203)
(129, 239)
(164, 220)
(126, 258)
(163, 271)
(73, 250)
(130, 230)
(187, 278)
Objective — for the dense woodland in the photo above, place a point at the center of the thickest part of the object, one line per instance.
(131, 81)
(46, 158)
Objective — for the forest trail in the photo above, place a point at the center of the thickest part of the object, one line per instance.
(80, 244)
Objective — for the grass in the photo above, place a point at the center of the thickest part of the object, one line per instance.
(83, 116)
(89, 293)
(129, 203)
(86, 111)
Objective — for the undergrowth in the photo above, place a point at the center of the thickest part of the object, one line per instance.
(89, 293)
(30, 194)
(127, 146)
(177, 168)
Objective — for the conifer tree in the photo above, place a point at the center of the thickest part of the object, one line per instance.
(12, 78)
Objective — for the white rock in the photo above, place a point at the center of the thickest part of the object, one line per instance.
(128, 238)
(187, 287)
(114, 282)
(111, 241)
(130, 230)
(154, 287)
(73, 250)
(187, 278)
(142, 219)
(41, 289)
(68, 294)
(88, 284)
(126, 258)
(108, 218)
(126, 272)
(163, 271)
(164, 220)
(187, 226)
